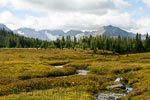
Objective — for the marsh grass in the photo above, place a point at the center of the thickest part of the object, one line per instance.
(78, 65)
(72, 93)
(90, 83)
(27, 72)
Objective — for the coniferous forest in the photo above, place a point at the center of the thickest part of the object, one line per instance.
(118, 44)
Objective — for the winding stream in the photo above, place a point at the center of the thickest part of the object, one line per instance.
(114, 96)
(106, 96)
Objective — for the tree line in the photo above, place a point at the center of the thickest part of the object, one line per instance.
(118, 44)
(10, 40)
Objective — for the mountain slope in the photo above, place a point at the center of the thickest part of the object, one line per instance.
(31, 33)
(115, 31)
(108, 31)
(54, 34)
(73, 32)
(2, 26)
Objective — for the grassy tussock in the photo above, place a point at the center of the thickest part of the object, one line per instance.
(112, 68)
(72, 93)
(23, 71)
(91, 83)
(79, 65)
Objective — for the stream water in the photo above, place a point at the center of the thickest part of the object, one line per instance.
(59, 66)
(82, 72)
(109, 96)
(114, 96)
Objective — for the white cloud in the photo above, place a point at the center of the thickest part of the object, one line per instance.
(67, 21)
(143, 26)
(141, 9)
(147, 2)
(3, 3)
(80, 6)
(69, 14)
(9, 19)
(74, 14)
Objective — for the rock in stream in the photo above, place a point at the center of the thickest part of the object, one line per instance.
(113, 96)
(116, 87)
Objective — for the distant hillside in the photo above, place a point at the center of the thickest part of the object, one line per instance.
(54, 34)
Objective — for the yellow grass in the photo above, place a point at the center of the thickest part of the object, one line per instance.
(32, 70)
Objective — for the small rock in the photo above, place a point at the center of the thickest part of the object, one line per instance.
(118, 86)
(118, 80)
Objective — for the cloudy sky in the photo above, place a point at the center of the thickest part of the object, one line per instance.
(131, 15)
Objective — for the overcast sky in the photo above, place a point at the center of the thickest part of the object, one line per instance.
(131, 15)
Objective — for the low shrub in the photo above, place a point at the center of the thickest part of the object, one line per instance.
(91, 83)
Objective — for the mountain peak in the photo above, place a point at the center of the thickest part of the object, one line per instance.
(110, 26)
(73, 32)
(27, 29)
(3, 26)
(115, 31)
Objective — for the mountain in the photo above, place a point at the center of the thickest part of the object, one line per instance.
(42, 34)
(31, 33)
(2, 26)
(73, 32)
(113, 31)
(54, 34)
(108, 31)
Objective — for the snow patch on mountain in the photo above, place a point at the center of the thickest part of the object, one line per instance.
(21, 33)
(2, 26)
(50, 36)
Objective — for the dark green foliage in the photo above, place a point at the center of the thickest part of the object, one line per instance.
(10, 40)
(118, 44)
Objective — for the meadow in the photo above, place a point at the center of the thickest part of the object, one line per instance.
(30, 74)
